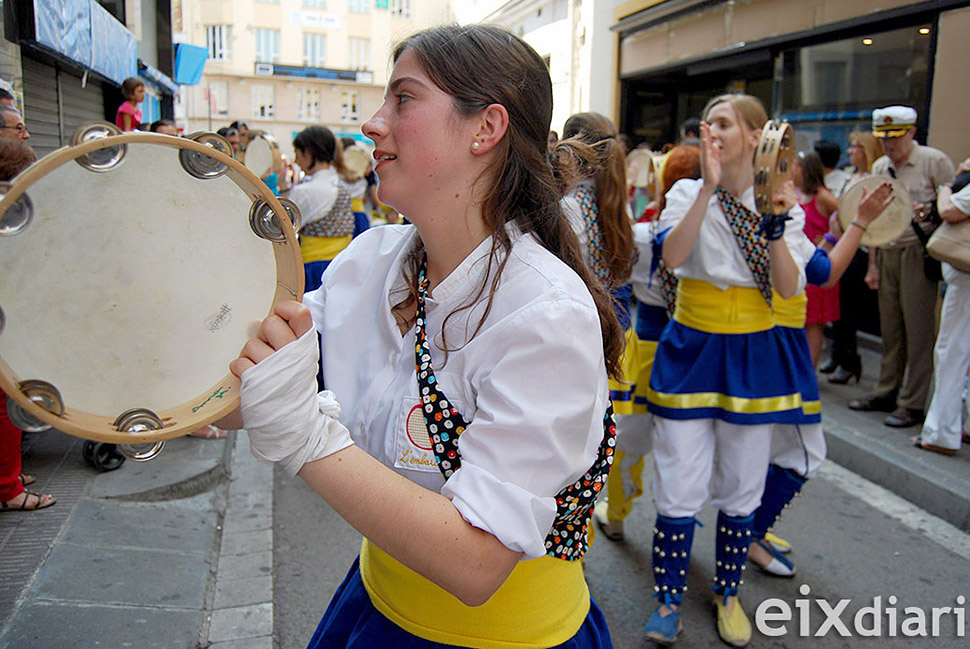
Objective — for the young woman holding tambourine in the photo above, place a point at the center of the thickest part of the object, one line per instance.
(798, 447)
(469, 352)
(722, 375)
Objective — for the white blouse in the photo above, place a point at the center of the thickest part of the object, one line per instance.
(531, 381)
(646, 286)
(316, 194)
(716, 257)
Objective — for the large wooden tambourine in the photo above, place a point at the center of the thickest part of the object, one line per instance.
(772, 164)
(892, 223)
(136, 266)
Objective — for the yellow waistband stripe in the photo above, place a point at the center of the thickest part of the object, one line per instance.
(543, 603)
(734, 404)
(322, 248)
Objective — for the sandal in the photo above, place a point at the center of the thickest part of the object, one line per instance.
(926, 446)
(26, 479)
(41, 501)
(209, 432)
(779, 565)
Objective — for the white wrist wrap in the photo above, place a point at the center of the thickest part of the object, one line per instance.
(287, 421)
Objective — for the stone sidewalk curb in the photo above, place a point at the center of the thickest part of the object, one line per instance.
(242, 609)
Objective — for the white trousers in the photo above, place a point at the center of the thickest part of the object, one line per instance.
(951, 356)
(634, 433)
(799, 448)
(686, 453)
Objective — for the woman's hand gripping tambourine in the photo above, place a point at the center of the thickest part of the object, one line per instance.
(136, 266)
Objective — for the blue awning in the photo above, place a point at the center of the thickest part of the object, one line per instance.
(85, 34)
(189, 63)
(157, 78)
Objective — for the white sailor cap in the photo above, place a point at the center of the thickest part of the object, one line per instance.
(893, 121)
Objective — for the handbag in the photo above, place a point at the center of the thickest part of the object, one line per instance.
(931, 266)
(951, 243)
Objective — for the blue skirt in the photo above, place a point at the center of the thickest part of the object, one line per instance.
(352, 622)
(765, 377)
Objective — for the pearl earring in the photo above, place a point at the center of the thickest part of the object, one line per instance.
(475, 146)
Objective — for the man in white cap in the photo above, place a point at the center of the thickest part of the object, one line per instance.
(907, 297)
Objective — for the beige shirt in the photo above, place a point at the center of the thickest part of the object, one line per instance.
(924, 171)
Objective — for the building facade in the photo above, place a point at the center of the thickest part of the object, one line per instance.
(821, 64)
(284, 65)
(66, 61)
(575, 39)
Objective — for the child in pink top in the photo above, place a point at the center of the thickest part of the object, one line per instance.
(128, 117)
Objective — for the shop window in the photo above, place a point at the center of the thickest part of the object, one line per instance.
(359, 53)
(314, 50)
(400, 8)
(263, 101)
(348, 111)
(267, 45)
(309, 104)
(858, 73)
(218, 96)
(217, 39)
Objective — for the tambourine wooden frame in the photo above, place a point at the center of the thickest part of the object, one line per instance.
(772, 164)
(901, 208)
(223, 396)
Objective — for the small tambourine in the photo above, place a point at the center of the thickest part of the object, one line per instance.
(262, 155)
(136, 266)
(773, 164)
(888, 226)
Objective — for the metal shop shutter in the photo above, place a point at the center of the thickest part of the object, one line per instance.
(55, 104)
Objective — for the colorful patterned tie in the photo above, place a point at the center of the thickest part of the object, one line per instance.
(594, 255)
(745, 225)
(574, 504)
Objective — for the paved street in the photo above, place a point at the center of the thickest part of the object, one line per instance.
(205, 547)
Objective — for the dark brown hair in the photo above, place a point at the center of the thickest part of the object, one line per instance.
(130, 85)
(608, 170)
(15, 156)
(813, 174)
(481, 65)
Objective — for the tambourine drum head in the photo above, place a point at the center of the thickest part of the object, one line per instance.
(260, 156)
(356, 161)
(133, 288)
(891, 224)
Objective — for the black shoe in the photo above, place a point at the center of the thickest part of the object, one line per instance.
(874, 403)
(828, 366)
(847, 371)
(904, 418)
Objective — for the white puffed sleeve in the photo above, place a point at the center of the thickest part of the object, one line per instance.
(541, 397)
(679, 199)
(574, 215)
(795, 239)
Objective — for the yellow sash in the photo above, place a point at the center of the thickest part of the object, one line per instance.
(322, 248)
(543, 603)
(790, 312)
(707, 308)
